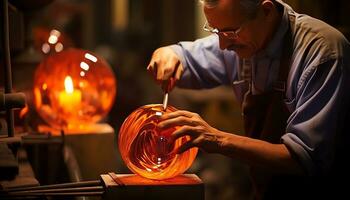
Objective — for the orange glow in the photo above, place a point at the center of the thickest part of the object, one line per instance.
(69, 99)
(65, 99)
(44, 86)
(135, 180)
(23, 112)
(148, 151)
(68, 85)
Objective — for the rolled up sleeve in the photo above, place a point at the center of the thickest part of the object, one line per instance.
(205, 64)
(320, 111)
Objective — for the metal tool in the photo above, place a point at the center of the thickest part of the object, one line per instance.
(167, 86)
(165, 100)
(84, 188)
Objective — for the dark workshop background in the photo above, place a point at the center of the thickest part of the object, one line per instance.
(125, 33)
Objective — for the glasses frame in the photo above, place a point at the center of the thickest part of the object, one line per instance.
(231, 34)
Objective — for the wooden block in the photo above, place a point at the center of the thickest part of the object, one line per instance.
(98, 143)
(131, 186)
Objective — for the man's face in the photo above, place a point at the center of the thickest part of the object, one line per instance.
(228, 16)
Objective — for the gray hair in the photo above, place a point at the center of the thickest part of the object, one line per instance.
(210, 3)
(249, 6)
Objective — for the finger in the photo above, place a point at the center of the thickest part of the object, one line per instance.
(177, 114)
(150, 66)
(186, 146)
(170, 68)
(169, 73)
(172, 79)
(184, 131)
(177, 121)
(159, 72)
(179, 72)
(152, 69)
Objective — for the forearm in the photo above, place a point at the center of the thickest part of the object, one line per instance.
(273, 157)
(199, 71)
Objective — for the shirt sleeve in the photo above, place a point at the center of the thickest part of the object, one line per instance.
(318, 120)
(205, 64)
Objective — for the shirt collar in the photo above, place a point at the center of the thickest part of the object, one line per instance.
(273, 48)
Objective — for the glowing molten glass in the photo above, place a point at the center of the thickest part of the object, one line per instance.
(148, 151)
(73, 89)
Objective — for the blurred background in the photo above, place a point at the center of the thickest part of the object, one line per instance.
(125, 33)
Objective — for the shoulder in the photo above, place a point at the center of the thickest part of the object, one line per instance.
(318, 40)
(316, 43)
(316, 46)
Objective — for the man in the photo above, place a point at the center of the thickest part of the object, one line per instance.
(290, 73)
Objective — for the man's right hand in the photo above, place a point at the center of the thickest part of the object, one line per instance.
(165, 67)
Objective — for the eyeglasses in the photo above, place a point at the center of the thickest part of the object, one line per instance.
(230, 34)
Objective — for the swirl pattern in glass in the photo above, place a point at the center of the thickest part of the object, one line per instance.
(149, 151)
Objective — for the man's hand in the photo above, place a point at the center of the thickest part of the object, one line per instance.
(273, 157)
(165, 67)
(191, 124)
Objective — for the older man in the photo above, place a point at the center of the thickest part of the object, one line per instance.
(290, 73)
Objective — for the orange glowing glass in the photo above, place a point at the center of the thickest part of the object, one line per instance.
(73, 89)
(148, 151)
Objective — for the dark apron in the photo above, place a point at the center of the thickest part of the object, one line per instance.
(265, 117)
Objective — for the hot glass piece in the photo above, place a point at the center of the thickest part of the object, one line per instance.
(149, 151)
(73, 88)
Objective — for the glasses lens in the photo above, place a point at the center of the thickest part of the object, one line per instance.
(227, 34)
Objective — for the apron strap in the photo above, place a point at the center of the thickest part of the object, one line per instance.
(285, 62)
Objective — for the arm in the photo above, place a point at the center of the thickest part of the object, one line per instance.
(273, 157)
(311, 134)
(318, 122)
(198, 64)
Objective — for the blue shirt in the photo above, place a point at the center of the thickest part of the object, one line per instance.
(317, 92)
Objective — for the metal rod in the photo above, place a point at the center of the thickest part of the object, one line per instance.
(61, 190)
(53, 194)
(165, 101)
(56, 186)
(7, 68)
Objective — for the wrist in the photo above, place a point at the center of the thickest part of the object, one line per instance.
(225, 143)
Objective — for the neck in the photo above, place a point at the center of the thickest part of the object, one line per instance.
(271, 26)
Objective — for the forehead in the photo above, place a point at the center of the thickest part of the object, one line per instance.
(226, 14)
